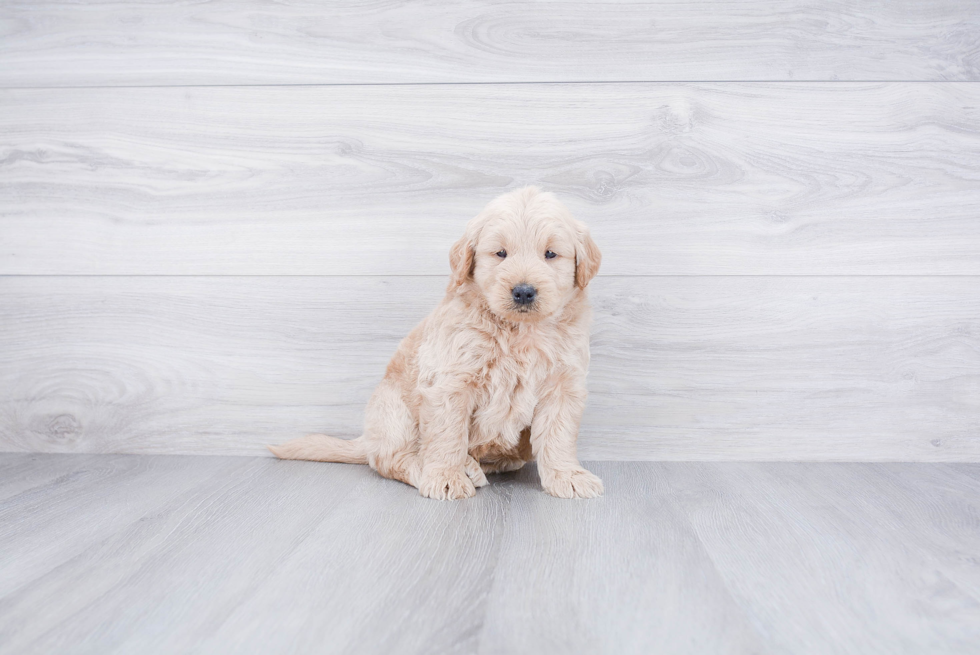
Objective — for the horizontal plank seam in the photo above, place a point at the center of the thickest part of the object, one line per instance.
(503, 83)
(446, 275)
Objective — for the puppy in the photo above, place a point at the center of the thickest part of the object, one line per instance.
(495, 376)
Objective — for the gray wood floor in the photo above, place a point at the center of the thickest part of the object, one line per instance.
(164, 554)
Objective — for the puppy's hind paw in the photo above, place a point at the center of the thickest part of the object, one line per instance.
(475, 472)
(503, 465)
(447, 484)
(572, 483)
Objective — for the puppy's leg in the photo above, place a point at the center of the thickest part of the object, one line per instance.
(391, 435)
(554, 431)
(444, 425)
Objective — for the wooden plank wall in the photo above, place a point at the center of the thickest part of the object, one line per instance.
(218, 219)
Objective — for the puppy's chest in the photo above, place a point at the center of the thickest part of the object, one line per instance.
(508, 393)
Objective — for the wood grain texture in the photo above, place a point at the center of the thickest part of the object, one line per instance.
(20, 474)
(613, 576)
(426, 584)
(879, 368)
(248, 555)
(805, 549)
(57, 43)
(34, 523)
(769, 179)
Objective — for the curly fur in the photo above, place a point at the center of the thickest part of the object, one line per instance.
(483, 384)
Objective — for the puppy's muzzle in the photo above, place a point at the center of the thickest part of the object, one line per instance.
(524, 294)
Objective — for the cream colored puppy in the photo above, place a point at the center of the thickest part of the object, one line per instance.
(495, 376)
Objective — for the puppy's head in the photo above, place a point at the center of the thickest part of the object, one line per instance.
(525, 254)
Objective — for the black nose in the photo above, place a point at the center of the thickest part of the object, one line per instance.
(524, 294)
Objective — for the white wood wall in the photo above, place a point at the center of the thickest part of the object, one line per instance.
(218, 219)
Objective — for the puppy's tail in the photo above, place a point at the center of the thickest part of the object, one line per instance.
(321, 448)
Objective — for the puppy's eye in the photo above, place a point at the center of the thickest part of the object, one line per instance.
(501, 253)
(549, 255)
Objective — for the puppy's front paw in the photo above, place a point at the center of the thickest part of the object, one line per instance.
(571, 483)
(447, 484)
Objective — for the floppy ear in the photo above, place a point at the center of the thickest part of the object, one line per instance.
(461, 261)
(587, 258)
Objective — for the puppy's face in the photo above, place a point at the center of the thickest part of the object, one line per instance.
(526, 255)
